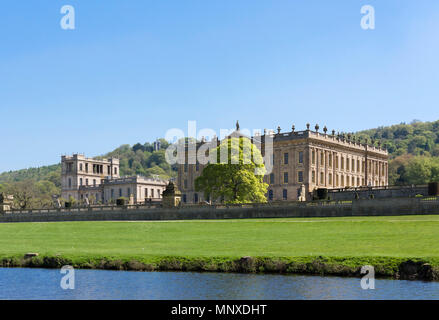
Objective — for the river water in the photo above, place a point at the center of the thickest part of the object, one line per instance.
(101, 284)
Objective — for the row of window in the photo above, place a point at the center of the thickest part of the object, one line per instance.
(299, 158)
(350, 164)
(286, 178)
(97, 168)
(284, 194)
(147, 194)
(86, 182)
(286, 158)
(197, 167)
(339, 179)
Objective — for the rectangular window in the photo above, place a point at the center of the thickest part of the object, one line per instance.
(322, 178)
(358, 165)
(285, 194)
(285, 177)
(146, 192)
(300, 176)
(336, 180)
(86, 167)
(347, 164)
(115, 170)
(108, 170)
(185, 185)
(129, 192)
(112, 193)
(270, 194)
(94, 182)
(300, 157)
(120, 192)
(313, 157)
(285, 158)
(313, 176)
(330, 179)
(80, 167)
(330, 160)
(342, 163)
(86, 182)
(152, 193)
(322, 158)
(336, 162)
(353, 165)
(271, 178)
(80, 181)
(358, 182)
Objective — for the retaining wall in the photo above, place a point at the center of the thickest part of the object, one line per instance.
(375, 207)
(377, 192)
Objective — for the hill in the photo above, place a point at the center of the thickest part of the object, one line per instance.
(34, 187)
(413, 150)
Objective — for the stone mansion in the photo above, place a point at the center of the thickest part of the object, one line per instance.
(305, 159)
(99, 181)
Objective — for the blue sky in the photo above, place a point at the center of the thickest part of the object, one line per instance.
(132, 69)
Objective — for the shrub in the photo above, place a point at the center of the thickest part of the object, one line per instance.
(120, 201)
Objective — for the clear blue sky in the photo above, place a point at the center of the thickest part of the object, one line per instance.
(133, 69)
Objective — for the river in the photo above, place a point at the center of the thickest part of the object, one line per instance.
(44, 284)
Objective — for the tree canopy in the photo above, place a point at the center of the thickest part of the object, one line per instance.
(236, 177)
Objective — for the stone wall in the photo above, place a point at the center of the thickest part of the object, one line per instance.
(376, 207)
(378, 193)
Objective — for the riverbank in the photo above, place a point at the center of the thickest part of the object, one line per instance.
(402, 247)
(385, 267)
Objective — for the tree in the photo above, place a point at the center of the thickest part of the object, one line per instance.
(24, 193)
(422, 170)
(239, 177)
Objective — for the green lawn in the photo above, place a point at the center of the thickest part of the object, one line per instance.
(397, 237)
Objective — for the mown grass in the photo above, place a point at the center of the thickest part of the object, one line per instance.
(305, 245)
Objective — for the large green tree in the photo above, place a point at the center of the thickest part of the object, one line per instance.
(237, 175)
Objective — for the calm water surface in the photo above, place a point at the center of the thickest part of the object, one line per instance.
(100, 284)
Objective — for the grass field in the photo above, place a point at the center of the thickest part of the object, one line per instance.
(348, 240)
